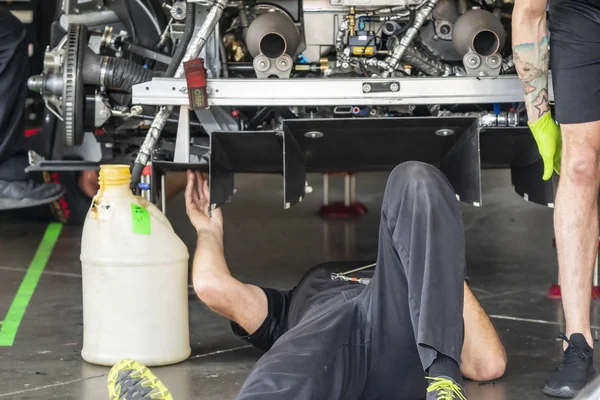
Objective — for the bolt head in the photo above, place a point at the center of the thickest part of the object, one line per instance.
(394, 87)
(472, 61)
(366, 88)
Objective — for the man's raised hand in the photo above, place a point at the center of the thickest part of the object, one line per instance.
(197, 203)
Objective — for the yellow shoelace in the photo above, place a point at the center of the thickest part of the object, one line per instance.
(446, 389)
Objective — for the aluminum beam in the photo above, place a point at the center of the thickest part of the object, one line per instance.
(336, 92)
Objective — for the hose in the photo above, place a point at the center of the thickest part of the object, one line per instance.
(430, 66)
(122, 74)
(398, 53)
(165, 111)
(188, 32)
(192, 51)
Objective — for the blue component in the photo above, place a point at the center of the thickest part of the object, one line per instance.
(496, 108)
(302, 59)
(361, 24)
(144, 186)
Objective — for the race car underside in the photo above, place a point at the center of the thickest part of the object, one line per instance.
(356, 88)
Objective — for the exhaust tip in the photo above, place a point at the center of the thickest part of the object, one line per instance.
(273, 45)
(486, 42)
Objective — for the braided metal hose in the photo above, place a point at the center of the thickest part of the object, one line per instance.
(193, 51)
(420, 18)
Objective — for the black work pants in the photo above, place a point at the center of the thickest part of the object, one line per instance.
(13, 90)
(376, 342)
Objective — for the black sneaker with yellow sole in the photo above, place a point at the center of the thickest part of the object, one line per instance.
(131, 380)
(444, 388)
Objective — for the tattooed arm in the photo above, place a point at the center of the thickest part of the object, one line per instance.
(530, 51)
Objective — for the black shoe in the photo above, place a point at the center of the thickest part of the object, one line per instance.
(22, 194)
(575, 369)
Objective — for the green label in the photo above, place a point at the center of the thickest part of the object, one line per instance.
(140, 220)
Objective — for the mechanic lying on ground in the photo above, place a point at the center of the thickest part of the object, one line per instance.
(405, 335)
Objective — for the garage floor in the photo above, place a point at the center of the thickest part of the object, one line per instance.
(510, 262)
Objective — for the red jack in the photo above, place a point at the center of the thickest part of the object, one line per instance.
(342, 210)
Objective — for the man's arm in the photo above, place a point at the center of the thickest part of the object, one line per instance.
(531, 55)
(483, 357)
(244, 304)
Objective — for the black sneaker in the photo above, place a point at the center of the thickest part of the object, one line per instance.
(575, 369)
(23, 194)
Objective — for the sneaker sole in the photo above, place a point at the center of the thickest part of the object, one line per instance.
(6, 204)
(564, 392)
(129, 379)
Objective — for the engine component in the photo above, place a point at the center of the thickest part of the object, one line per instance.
(377, 3)
(477, 65)
(362, 44)
(433, 67)
(478, 31)
(441, 48)
(266, 67)
(273, 34)
(178, 11)
(352, 21)
(487, 119)
(398, 53)
(391, 28)
(479, 37)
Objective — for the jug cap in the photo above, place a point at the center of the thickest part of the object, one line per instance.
(114, 174)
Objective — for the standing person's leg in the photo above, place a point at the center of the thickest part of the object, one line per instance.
(576, 222)
(16, 190)
(415, 300)
(576, 80)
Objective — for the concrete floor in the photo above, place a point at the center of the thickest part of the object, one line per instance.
(510, 262)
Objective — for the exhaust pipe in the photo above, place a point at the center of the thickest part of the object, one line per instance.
(272, 34)
(478, 31)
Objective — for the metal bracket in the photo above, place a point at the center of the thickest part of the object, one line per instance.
(462, 167)
(182, 143)
(527, 179)
(352, 145)
(294, 171)
(243, 152)
(336, 91)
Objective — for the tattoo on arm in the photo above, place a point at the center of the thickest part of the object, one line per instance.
(531, 61)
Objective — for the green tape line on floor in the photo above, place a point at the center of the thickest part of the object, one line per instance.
(10, 325)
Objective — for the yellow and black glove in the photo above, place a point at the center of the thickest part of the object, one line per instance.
(546, 133)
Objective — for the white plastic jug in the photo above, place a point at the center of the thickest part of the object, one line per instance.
(135, 279)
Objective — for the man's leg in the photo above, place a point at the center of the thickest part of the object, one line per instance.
(576, 82)
(16, 190)
(576, 222)
(415, 300)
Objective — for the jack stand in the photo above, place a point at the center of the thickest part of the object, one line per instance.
(341, 210)
(554, 291)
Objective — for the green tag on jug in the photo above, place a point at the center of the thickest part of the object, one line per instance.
(140, 220)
